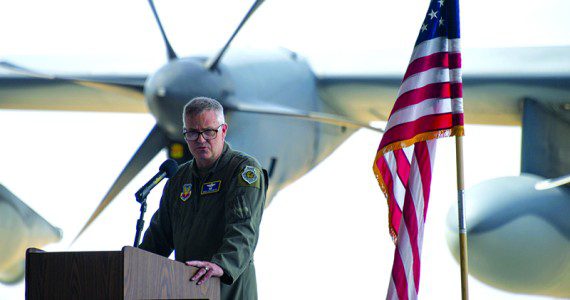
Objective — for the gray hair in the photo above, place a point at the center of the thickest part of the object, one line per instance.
(200, 104)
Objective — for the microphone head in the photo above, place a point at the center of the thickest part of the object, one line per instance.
(169, 166)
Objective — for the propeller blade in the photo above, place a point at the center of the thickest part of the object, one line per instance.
(24, 71)
(20, 228)
(169, 51)
(130, 88)
(213, 63)
(552, 183)
(135, 83)
(271, 109)
(154, 142)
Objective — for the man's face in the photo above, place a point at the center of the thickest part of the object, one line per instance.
(205, 152)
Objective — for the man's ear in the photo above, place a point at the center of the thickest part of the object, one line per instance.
(224, 130)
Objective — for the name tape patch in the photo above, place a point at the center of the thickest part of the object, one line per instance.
(211, 187)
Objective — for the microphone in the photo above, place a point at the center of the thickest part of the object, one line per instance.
(166, 170)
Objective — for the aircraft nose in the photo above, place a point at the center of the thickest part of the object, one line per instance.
(518, 237)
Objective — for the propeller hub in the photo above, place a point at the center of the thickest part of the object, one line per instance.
(176, 83)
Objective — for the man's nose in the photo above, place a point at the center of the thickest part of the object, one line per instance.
(201, 138)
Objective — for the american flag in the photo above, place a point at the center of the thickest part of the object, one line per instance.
(429, 106)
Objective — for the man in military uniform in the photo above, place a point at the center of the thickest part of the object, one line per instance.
(211, 209)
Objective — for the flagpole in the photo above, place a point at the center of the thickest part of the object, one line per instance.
(461, 216)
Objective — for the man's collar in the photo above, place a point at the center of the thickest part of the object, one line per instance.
(218, 164)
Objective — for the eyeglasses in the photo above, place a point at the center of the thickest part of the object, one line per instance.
(208, 134)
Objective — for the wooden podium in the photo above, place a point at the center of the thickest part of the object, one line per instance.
(128, 274)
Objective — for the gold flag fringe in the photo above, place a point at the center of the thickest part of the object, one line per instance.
(426, 136)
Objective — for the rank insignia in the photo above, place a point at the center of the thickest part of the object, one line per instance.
(186, 192)
(249, 177)
(211, 187)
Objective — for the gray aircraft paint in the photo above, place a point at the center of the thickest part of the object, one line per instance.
(518, 236)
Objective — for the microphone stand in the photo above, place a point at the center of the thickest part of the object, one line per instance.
(140, 221)
(167, 169)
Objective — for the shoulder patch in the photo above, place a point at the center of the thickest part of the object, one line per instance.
(249, 177)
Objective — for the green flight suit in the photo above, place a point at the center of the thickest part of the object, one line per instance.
(213, 218)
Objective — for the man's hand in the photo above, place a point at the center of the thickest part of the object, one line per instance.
(207, 270)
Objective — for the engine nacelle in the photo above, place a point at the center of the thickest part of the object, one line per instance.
(518, 236)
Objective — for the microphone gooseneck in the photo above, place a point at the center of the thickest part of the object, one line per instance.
(166, 170)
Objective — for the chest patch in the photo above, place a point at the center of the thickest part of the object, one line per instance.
(211, 187)
(186, 192)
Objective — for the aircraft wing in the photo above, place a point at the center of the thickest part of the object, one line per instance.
(86, 93)
(361, 98)
(492, 99)
(495, 84)
(538, 102)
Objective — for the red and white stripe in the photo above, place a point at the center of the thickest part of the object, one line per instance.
(429, 106)
(430, 98)
(406, 267)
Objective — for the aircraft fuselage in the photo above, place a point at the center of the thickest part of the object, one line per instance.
(287, 147)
